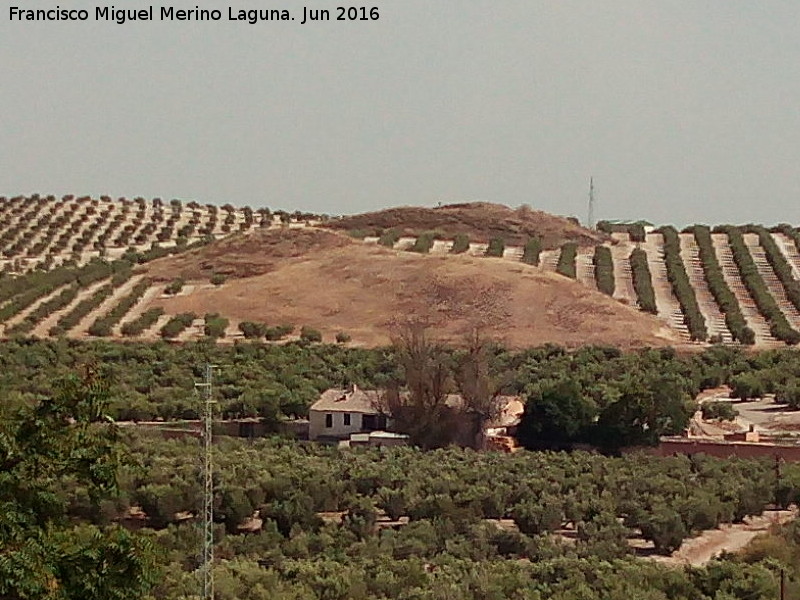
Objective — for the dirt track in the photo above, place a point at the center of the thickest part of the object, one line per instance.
(731, 538)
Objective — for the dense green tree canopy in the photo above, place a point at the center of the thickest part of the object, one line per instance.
(43, 554)
(649, 390)
(324, 511)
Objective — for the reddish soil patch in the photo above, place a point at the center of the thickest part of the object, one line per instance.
(247, 255)
(481, 221)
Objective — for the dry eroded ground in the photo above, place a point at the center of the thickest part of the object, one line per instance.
(363, 290)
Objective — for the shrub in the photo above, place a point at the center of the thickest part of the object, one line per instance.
(309, 334)
(389, 238)
(605, 226)
(532, 250)
(145, 321)
(534, 518)
(642, 281)
(174, 287)
(217, 279)
(746, 386)
(666, 530)
(460, 244)
(273, 334)
(285, 329)
(100, 328)
(342, 337)
(215, 325)
(424, 243)
(637, 232)
(277, 333)
(604, 270)
(789, 394)
(252, 331)
(496, 247)
(566, 260)
(177, 325)
(720, 411)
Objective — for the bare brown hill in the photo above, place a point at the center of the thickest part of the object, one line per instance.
(481, 221)
(327, 281)
(247, 255)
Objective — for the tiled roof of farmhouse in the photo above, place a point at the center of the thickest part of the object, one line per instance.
(339, 400)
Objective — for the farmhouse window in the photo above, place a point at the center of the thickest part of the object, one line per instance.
(347, 419)
(373, 422)
(328, 420)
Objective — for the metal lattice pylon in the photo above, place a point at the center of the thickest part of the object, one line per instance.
(207, 523)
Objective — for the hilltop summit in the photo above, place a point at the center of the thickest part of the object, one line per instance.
(481, 221)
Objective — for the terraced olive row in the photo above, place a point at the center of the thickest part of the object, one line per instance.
(770, 305)
(44, 232)
(778, 325)
(681, 286)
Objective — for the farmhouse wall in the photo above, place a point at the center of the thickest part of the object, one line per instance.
(722, 449)
(317, 426)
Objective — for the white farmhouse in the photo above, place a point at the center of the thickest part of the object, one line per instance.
(339, 413)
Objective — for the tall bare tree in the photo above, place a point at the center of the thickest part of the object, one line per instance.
(479, 387)
(419, 408)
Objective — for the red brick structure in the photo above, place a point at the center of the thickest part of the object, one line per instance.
(725, 449)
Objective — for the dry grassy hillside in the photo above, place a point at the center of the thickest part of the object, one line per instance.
(481, 221)
(247, 255)
(329, 282)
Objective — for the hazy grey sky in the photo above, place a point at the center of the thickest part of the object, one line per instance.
(683, 111)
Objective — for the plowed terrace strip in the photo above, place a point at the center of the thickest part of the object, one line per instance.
(138, 308)
(668, 307)
(623, 281)
(771, 280)
(715, 320)
(730, 272)
(43, 327)
(20, 316)
(82, 328)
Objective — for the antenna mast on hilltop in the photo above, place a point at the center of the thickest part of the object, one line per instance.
(591, 203)
(207, 524)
